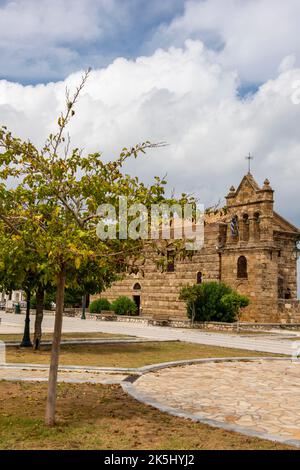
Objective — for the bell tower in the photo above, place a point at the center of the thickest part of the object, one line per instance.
(248, 264)
(250, 209)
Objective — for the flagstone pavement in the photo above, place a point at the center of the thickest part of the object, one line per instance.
(260, 396)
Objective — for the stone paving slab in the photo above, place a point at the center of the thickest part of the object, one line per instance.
(259, 397)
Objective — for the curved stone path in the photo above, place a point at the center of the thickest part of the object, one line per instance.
(254, 396)
(260, 398)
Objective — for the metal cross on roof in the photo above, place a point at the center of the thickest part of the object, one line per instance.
(249, 158)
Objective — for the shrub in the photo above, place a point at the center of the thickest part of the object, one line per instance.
(124, 306)
(213, 301)
(99, 304)
(233, 302)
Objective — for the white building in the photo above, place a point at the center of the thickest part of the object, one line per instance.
(8, 301)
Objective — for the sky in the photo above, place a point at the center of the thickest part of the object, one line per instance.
(214, 79)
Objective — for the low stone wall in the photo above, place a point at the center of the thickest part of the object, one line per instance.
(208, 326)
(123, 318)
(247, 326)
(289, 310)
(118, 318)
(240, 326)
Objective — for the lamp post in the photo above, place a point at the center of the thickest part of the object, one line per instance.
(83, 317)
(26, 343)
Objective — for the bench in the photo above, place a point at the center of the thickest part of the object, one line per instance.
(70, 312)
(159, 320)
(107, 315)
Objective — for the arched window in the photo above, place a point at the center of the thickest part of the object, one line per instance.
(137, 286)
(234, 228)
(245, 227)
(199, 278)
(256, 219)
(242, 271)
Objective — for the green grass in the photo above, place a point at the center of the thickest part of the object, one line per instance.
(103, 417)
(65, 336)
(125, 355)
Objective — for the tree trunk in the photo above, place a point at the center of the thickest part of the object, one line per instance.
(38, 318)
(83, 317)
(193, 314)
(26, 343)
(51, 399)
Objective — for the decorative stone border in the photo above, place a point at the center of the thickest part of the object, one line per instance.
(135, 373)
(188, 362)
(45, 367)
(128, 387)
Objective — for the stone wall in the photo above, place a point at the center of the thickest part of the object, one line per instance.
(159, 291)
(289, 311)
(287, 265)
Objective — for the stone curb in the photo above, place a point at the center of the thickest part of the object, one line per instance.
(129, 388)
(44, 367)
(138, 371)
(68, 380)
(187, 362)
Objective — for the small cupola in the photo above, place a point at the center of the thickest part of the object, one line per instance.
(266, 186)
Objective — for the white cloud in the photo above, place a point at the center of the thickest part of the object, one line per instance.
(65, 20)
(42, 40)
(184, 97)
(252, 37)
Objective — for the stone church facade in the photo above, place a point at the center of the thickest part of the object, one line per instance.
(249, 247)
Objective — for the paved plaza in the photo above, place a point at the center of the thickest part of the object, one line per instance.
(260, 397)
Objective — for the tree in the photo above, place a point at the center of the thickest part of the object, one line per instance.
(49, 299)
(213, 301)
(55, 212)
(89, 278)
(19, 270)
(190, 295)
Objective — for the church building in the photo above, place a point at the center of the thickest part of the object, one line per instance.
(249, 247)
